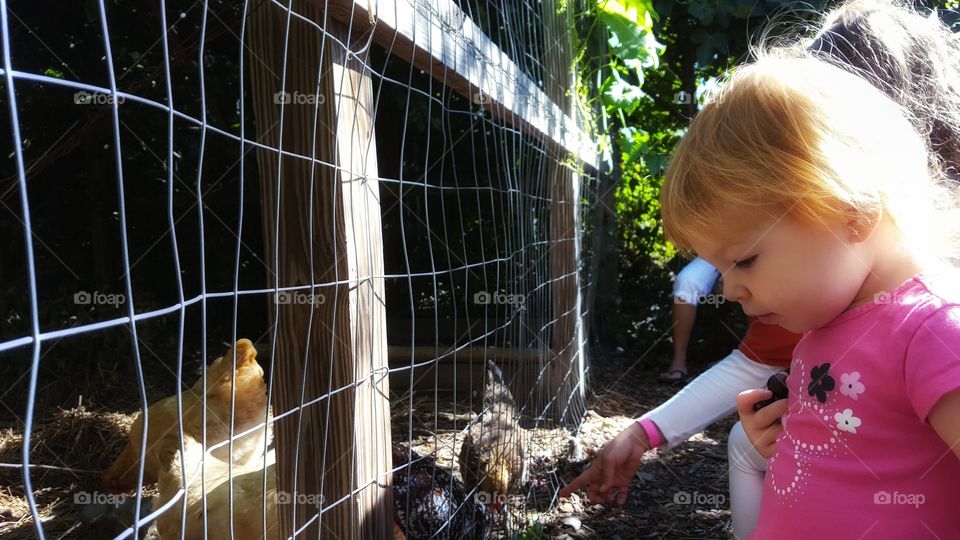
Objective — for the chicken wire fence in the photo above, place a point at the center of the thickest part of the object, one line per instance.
(262, 260)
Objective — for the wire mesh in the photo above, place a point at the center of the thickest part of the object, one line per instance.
(171, 193)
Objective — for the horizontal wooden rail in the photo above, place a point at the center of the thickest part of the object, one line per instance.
(439, 38)
(463, 370)
(401, 354)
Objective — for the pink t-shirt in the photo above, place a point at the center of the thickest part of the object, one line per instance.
(857, 457)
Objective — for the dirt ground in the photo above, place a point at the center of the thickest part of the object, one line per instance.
(681, 493)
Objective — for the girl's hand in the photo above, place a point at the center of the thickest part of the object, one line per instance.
(613, 469)
(763, 426)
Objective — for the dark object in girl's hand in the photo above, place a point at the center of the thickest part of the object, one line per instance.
(777, 384)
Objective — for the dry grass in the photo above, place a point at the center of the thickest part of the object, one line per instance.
(67, 452)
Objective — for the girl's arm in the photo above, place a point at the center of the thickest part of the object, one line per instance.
(709, 397)
(932, 373)
(945, 419)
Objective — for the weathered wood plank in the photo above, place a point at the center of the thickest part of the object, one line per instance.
(439, 38)
(321, 225)
(443, 371)
(566, 370)
(357, 159)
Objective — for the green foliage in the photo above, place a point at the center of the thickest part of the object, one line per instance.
(633, 50)
(638, 199)
(630, 27)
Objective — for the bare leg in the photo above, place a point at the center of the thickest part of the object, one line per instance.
(684, 316)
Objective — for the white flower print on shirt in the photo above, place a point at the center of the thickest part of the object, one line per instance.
(850, 385)
(847, 421)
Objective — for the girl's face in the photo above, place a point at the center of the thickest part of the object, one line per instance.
(789, 273)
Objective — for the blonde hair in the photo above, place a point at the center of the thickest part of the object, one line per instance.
(789, 133)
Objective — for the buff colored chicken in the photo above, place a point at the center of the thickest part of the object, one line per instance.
(493, 455)
(251, 501)
(250, 410)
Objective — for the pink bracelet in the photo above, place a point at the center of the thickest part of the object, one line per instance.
(653, 434)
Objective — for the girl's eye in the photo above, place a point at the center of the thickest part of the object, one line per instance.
(746, 263)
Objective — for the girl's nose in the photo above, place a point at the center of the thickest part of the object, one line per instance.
(733, 291)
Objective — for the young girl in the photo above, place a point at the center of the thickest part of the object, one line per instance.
(812, 193)
(915, 60)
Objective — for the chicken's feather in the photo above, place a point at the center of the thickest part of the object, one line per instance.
(493, 454)
(430, 503)
(250, 501)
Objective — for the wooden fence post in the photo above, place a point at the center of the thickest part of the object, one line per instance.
(324, 229)
(357, 157)
(566, 370)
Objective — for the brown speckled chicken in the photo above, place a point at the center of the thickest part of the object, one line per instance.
(493, 455)
(250, 408)
(429, 502)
